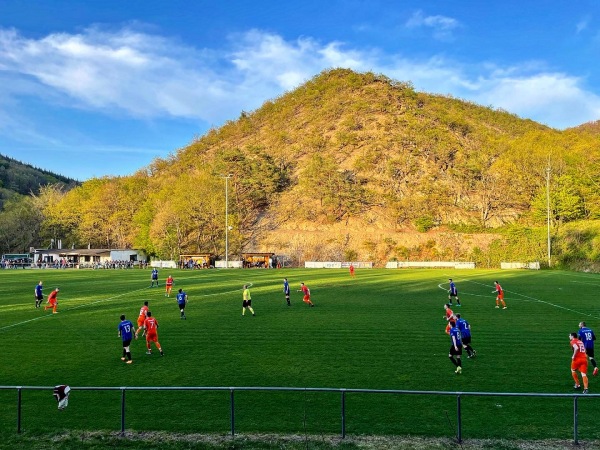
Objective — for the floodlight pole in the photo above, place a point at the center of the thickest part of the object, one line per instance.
(227, 177)
(548, 212)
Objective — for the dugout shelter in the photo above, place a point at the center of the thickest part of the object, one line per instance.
(197, 261)
(261, 260)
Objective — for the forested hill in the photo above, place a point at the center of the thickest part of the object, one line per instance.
(590, 127)
(348, 165)
(362, 146)
(25, 179)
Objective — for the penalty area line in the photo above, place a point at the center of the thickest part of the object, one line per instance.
(533, 299)
(472, 295)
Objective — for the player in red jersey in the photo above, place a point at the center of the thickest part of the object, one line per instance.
(351, 270)
(306, 299)
(151, 329)
(52, 301)
(579, 362)
(449, 316)
(499, 295)
(168, 286)
(141, 318)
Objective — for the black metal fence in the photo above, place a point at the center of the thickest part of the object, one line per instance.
(342, 392)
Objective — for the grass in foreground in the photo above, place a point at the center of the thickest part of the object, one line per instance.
(170, 441)
(382, 330)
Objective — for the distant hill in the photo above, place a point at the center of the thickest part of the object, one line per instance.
(24, 179)
(351, 165)
(364, 147)
(592, 127)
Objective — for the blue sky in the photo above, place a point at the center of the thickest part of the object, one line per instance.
(94, 88)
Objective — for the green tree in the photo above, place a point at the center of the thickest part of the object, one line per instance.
(340, 192)
(53, 226)
(20, 222)
(566, 202)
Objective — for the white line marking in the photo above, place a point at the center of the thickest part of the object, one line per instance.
(106, 300)
(71, 309)
(533, 299)
(588, 276)
(583, 282)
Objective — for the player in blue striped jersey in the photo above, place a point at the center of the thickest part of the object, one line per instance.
(39, 294)
(286, 290)
(587, 336)
(126, 334)
(465, 335)
(154, 277)
(453, 292)
(182, 300)
(455, 347)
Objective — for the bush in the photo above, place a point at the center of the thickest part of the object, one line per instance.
(424, 224)
(350, 255)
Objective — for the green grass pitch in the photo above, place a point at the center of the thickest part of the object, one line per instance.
(383, 329)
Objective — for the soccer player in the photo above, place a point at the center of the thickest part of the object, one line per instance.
(246, 301)
(306, 299)
(465, 335)
(151, 330)
(453, 292)
(578, 362)
(449, 316)
(587, 336)
(141, 318)
(126, 334)
(455, 347)
(39, 296)
(286, 291)
(168, 286)
(154, 277)
(499, 295)
(52, 301)
(182, 299)
(351, 270)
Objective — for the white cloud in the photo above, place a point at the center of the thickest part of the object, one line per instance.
(151, 76)
(141, 74)
(148, 76)
(583, 24)
(529, 90)
(552, 98)
(266, 58)
(442, 26)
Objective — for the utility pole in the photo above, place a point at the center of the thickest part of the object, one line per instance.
(548, 213)
(227, 177)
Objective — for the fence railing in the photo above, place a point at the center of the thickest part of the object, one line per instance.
(342, 391)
